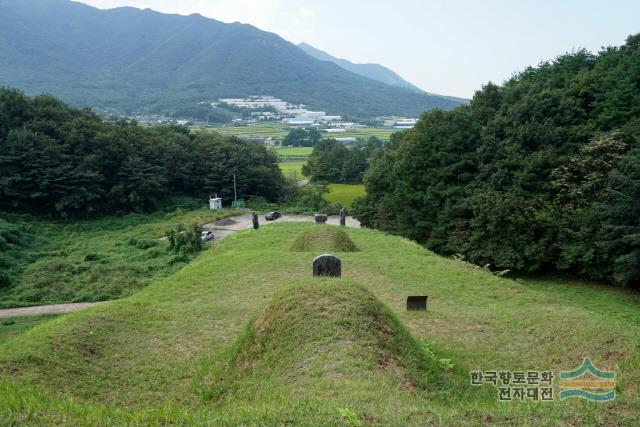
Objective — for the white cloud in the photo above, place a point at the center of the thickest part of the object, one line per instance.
(305, 12)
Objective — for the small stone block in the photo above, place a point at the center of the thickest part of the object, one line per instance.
(417, 302)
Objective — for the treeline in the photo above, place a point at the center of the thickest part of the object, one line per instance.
(540, 173)
(302, 138)
(331, 161)
(60, 161)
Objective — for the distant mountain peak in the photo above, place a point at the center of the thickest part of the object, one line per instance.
(130, 60)
(372, 71)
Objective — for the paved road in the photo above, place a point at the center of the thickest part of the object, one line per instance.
(221, 229)
(228, 226)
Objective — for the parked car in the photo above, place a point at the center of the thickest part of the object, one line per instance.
(271, 216)
(207, 236)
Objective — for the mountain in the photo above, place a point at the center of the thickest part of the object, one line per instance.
(372, 71)
(140, 60)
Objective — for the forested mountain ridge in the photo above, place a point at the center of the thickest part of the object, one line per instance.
(542, 172)
(136, 60)
(372, 71)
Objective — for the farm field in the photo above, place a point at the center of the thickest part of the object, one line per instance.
(285, 152)
(292, 169)
(276, 131)
(218, 343)
(345, 194)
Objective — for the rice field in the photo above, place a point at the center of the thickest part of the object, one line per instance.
(277, 132)
(345, 194)
(292, 169)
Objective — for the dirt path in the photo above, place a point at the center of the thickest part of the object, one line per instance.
(221, 229)
(44, 309)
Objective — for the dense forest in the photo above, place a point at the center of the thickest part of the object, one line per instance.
(64, 162)
(540, 173)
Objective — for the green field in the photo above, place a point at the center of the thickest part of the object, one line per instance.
(243, 335)
(345, 193)
(260, 130)
(95, 260)
(292, 170)
(276, 131)
(294, 151)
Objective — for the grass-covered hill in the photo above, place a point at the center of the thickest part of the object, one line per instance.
(141, 60)
(243, 335)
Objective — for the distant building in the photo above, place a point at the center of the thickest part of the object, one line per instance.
(347, 140)
(299, 122)
(316, 115)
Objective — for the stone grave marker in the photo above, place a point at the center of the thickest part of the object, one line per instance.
(327, 265)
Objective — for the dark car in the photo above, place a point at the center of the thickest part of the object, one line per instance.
(207, 236)
(272, 216)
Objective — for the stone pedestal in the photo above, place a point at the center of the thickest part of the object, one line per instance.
(320, 218)
(417, 302)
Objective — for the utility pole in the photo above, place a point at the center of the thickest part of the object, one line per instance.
(235, 190)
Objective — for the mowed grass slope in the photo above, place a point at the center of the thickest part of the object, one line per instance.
(177, 352)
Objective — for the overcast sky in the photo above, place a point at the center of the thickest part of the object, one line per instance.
(449, 47)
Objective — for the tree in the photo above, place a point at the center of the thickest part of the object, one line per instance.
(538, 173)
(64, 162)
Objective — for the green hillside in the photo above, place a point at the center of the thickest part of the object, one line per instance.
(144, 61)
(244, 335)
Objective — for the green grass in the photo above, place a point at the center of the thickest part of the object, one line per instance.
(292, 169)
(345, 193)
(97, 260)
(294, 151)
(17, 325)
(168, 354)
(324, 239)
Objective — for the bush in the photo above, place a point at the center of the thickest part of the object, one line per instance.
(186, 241)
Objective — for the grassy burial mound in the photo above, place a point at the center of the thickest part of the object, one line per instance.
(324, 238)
(325, 337)
(179, 352)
